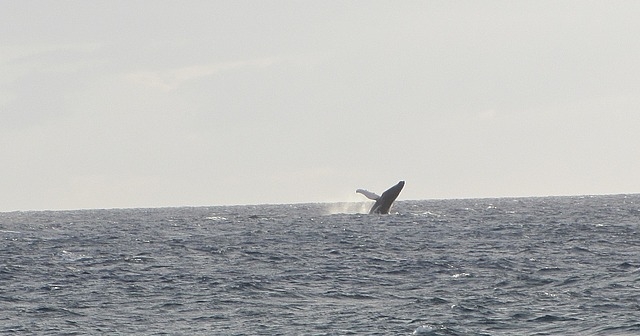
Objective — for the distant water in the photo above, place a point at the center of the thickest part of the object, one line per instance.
(525, 266)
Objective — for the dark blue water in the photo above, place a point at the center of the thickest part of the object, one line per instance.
(527, 266)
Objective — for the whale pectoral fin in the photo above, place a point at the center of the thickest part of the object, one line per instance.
(368, 194)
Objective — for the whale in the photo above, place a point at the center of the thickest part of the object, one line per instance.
(384, 201)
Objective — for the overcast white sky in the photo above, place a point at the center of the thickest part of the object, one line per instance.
(169, 103)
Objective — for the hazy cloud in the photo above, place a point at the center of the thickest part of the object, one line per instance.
(170, 79)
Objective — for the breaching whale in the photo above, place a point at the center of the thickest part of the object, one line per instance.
(383, 202)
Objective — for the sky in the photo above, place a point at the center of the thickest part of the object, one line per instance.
(153, 103)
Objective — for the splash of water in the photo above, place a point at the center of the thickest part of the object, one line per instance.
(348, 208)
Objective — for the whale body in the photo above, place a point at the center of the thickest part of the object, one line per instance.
(384, 201)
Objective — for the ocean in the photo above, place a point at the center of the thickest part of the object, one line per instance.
(508, 266)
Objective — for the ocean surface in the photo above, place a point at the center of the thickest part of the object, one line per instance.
(509, 266)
